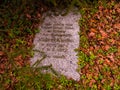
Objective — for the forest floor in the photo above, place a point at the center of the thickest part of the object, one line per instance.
(98, 54)
(100, 47)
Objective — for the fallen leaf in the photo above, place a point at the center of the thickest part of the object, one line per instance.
(91, 34)
(108, 17)
(107, 47)
(112, 41)
(100, 8)
(117, 25)
(103, 80)
(2, 66)
(112, 83)
(91, 48)
(20, 63)
(91, 82)
(38, 15)
(111, 57)
(92, 20)
(28, 16)
(1, 53)
(107, 62)
(93, 30)
(103, 33)
(18, 58)
(118, 10)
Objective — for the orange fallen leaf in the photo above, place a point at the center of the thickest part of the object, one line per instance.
(91, 82)
(1, 53)
(107, 47)
(112, 83)
(107, 62)
(112, 41)
(103, 33)
(92, 20)
(108, 17)
(111, 57)
(20, 63)
(118, 10)
(93, 30)
(91, 34)
(2, 66)
(103, 80)
(18, 58)
(28, 16)
(38, 15)
(91, 48)
(100, 8)
(117, 25)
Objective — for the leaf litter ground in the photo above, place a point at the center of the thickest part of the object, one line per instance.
(102, 36)
(99, 52)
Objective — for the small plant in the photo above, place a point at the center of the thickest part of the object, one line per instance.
(116, 87)
(83, 59)
(84, 41)
(112, 50)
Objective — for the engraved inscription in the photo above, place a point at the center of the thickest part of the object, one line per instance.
(57, 40)
(59, 35)
(69, 26)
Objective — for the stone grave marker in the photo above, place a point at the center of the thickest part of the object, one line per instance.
(58, 38)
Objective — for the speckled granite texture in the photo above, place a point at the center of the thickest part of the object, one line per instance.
(58, 37)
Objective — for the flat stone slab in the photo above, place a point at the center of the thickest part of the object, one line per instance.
(58, 38)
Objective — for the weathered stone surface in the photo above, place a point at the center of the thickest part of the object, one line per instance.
(58, 37)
